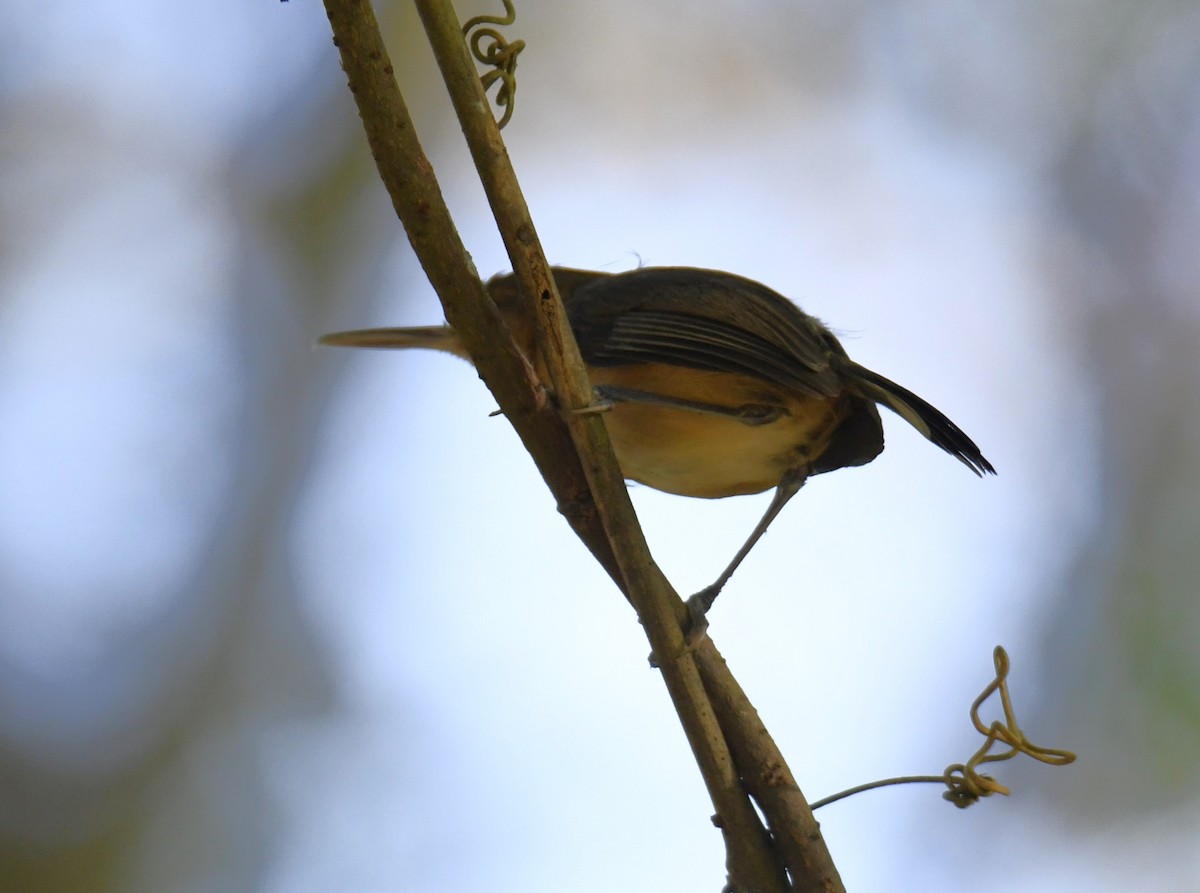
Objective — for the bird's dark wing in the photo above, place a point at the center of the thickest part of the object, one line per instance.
(702, 319)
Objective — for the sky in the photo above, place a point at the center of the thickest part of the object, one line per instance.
(276, 617)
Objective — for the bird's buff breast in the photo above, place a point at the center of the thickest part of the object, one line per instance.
(705, 455)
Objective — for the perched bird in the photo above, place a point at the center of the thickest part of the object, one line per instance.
(713, 385)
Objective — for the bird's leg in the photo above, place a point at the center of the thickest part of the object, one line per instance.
(699, 603)
(753, 414)
(748, 413)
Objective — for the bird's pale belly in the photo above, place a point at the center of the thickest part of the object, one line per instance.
(708, 455)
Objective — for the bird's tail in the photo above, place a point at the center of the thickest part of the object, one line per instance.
(925, 418)
(431, 337)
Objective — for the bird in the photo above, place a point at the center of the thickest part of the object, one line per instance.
(710, 384)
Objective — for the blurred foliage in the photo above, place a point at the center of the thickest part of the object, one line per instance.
(133, 758)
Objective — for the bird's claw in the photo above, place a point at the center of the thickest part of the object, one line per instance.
(697, 608)
(598, 405)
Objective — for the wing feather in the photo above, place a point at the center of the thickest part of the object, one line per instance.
(702, 319)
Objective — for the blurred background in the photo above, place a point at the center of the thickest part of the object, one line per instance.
(240, 649)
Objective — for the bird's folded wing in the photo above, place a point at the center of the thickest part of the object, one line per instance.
(701, 319)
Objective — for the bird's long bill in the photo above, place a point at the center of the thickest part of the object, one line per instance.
(429, 337)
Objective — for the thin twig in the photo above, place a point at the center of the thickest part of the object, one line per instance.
(413, 188)
(965, 784)
(766, 775)
(875, 785)
(751, 861)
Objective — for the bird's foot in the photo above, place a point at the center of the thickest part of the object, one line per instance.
(697, 608)
(600, 403)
